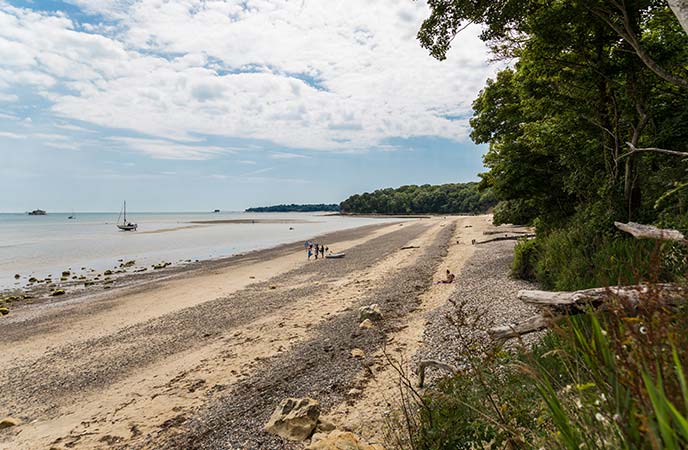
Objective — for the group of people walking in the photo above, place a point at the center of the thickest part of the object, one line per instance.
(313, 248)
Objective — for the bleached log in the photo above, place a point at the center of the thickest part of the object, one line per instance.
(490, 232)
(506, 238)
(530, 325)
(426, 363)
(665, 294)
(649, 232)
(680, 9)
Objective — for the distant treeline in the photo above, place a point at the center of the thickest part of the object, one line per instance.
(455, 198)
(295, 208)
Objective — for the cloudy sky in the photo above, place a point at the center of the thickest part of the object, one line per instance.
(194, 105)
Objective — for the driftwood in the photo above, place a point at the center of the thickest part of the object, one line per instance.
(558, 305)
(426, 363)
(410, 247)
(664, 294)
(506, 238)
(530, 325)
(490, 232)
(641, 231)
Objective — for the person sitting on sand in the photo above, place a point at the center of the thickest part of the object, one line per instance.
(449, 279)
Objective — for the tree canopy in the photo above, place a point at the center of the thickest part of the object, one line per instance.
(295, 208)
(457, 198)
(588, 82)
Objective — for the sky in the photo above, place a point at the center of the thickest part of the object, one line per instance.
(192, 105)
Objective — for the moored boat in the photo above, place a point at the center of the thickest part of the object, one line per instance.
(125, 225)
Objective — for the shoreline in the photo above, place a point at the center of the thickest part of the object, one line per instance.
(134, 277)
(178, 361)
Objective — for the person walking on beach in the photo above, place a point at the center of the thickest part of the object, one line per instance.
(322, 251)
(310, 251)
(316, 250)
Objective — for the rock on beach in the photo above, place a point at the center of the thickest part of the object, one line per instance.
(294, 419)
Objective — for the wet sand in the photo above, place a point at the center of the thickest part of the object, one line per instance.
(197, 358)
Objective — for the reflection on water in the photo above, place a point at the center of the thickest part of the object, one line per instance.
(43, 245)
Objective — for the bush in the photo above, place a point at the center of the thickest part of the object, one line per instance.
(608, 380)
(525, 259)
(577, 257)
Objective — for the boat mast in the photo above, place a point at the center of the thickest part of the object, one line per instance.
(125, 212)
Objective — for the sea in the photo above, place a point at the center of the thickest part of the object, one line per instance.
(39, 246)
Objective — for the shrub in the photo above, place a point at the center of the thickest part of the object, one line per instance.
(604, 380)
(525, 259)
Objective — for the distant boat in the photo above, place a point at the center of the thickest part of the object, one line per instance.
(73, 216)
(38, 212)
(125, 225)
(217, 211)
(335, 255)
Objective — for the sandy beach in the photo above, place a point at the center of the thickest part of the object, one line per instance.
(199, 358)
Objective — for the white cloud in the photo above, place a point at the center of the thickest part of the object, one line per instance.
(286, 155)
(336, 75)
(161, 149)
(10, 135)
(8, 97)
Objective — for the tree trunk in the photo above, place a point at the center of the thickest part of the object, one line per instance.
(680, 9)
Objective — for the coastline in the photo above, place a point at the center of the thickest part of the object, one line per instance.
(198, 357)
(134, 277)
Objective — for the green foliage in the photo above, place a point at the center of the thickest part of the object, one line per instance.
(613, 380)
(516, 212)
(525, 259)
(295, 208)
(457, 198)
(558, 120)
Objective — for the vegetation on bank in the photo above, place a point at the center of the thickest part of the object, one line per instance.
(587, 126)
(454, 198)
(295, 208)
(613, 381)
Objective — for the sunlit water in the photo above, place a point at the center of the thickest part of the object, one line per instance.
(46, 245)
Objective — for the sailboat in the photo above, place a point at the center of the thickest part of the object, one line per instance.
(73, 216)
(125, 225)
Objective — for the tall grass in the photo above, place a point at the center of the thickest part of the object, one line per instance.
(613, 379)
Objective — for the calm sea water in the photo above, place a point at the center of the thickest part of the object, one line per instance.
(43, 245)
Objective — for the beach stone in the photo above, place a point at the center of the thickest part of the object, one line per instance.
(366, 324)
(371, 312)
(342, 440)
(33, 280)
(4, 311)
(354, 391)
(8, 422)
(357, 353)
(324, 426)
(294, 418)
(66, 273)
(57, 292)
(17, 276)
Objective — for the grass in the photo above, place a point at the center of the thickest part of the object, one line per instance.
(610, 379)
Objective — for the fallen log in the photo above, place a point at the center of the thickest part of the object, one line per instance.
(558, 305)
(410, 247)
(530, 325)
(490, 232)
(641, 231)
(665, 294)
(426, 363)
(506, 238)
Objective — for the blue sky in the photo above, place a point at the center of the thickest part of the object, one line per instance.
(223, 104)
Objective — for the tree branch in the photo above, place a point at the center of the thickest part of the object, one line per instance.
(634, 149)
(649, 232)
